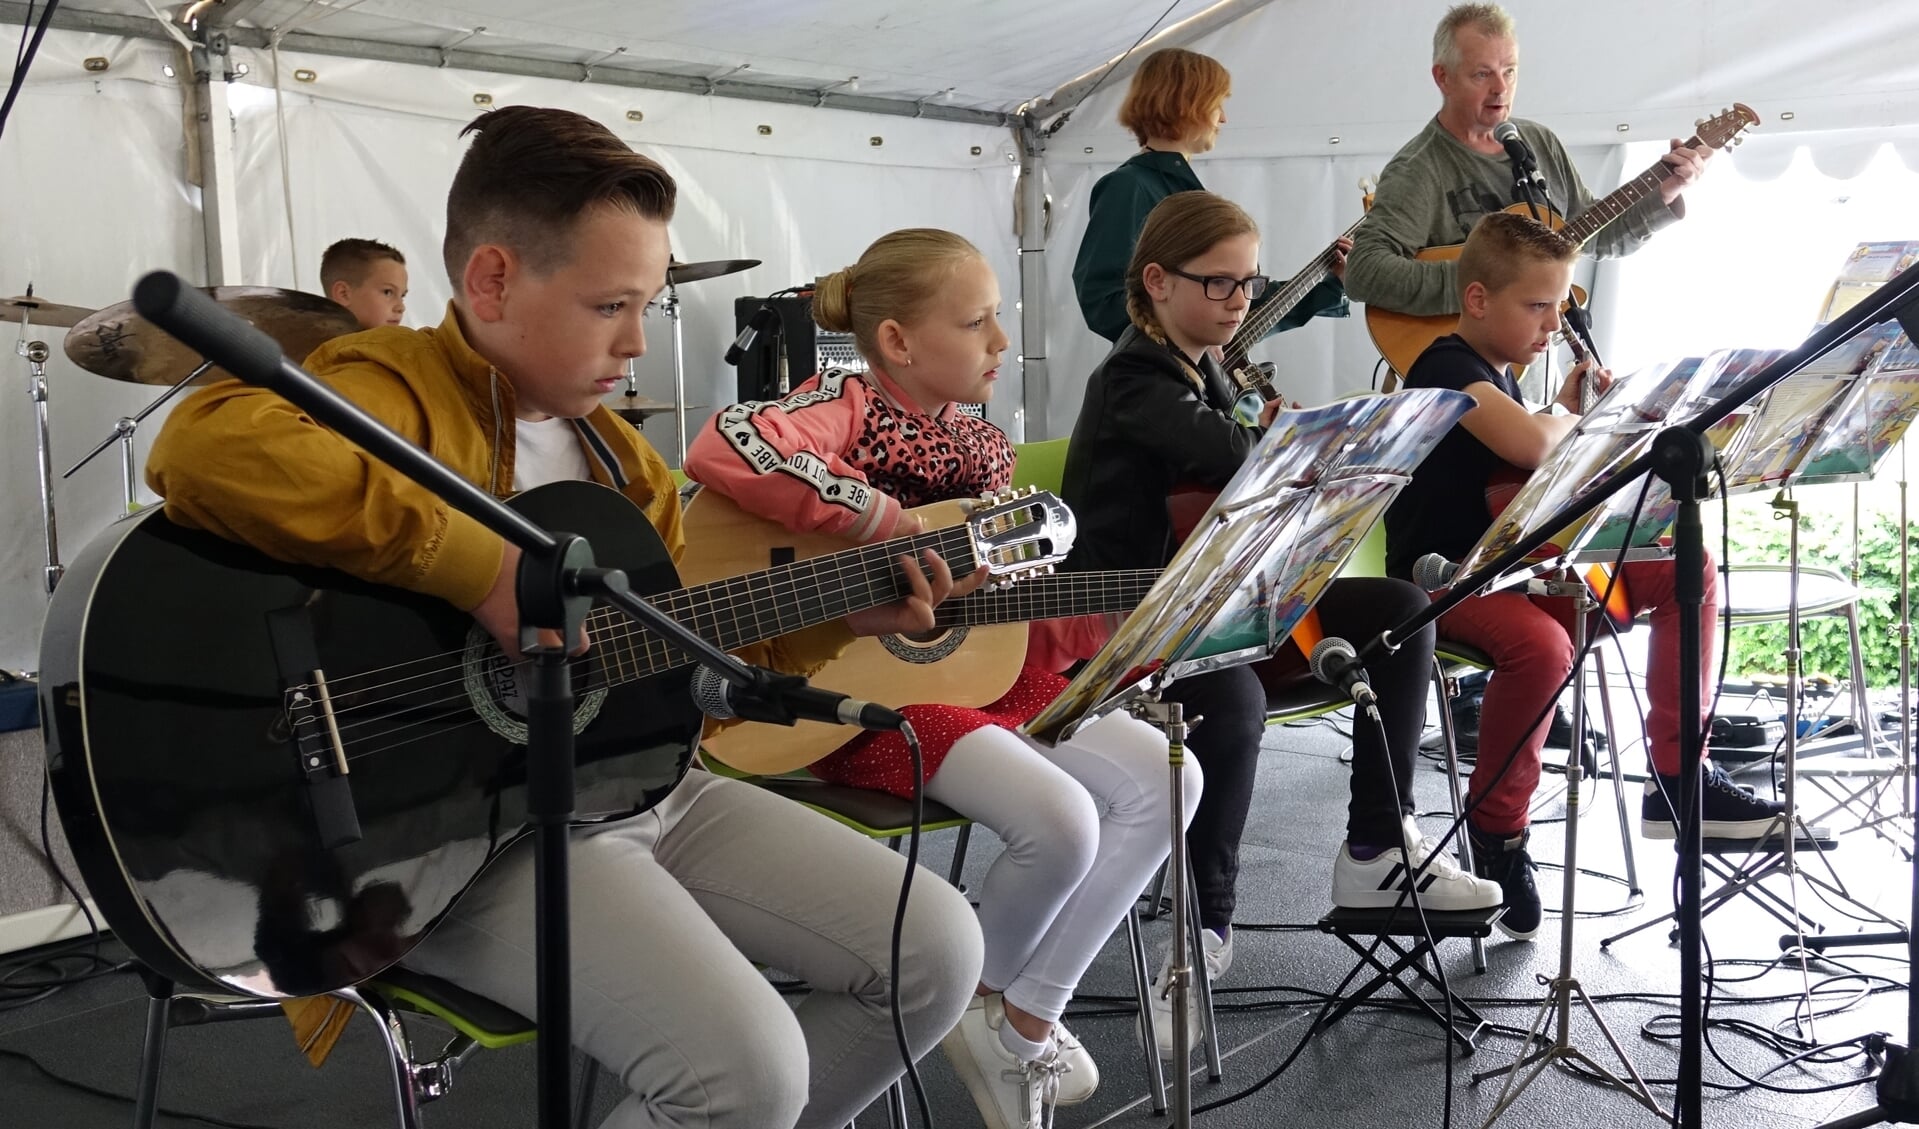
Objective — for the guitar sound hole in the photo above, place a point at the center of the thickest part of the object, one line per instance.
(929, 647)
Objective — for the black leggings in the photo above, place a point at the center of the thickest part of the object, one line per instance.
(1232, 703)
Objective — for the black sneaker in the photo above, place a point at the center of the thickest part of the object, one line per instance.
(1505, 861)
(1731, 811)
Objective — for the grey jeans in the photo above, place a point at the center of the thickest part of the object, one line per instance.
(670, 913)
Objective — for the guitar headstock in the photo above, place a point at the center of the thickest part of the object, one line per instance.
(1727, 128)
(1020, 533)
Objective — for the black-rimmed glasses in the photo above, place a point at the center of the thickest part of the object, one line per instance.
(1220, 287)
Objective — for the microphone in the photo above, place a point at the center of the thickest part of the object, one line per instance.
(782, 699)
(1335, 663)
(1433, 572)
(755, 325)
(1507, 134)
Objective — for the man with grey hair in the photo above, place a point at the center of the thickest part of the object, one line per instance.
(1442, 181)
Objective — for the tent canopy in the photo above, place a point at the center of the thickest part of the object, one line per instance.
(749, 103)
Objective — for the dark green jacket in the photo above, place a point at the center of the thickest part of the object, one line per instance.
(1120, 202)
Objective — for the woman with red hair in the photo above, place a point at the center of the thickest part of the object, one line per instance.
(1175, 106)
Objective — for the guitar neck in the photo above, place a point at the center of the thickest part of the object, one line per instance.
(1262, 320)
(1616, 203)
(1051, 597)
(743, 610)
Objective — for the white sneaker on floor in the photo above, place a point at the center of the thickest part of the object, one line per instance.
(1219, 958)
(1010, 1093)
(1378, 882)
(1081, 1075)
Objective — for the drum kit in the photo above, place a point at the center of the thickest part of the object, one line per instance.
(119, 344)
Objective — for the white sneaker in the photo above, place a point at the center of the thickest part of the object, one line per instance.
(1378, 882)
(1081, 1075)
(1219, 958)
(1011, 1093)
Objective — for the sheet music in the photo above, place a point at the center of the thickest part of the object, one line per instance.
(1265, 550)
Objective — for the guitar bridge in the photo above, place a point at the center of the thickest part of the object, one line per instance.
(314, 729)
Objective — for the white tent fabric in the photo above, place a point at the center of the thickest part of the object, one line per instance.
(95, 166)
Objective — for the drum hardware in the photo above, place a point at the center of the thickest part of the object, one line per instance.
(122, 433)
(119, 344)
(24, 308)
(669, 305)
(36, 354)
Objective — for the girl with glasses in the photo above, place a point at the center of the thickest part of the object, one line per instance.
(1156, 419)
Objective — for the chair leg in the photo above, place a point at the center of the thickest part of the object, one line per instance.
(958, 868)
(146, 1097)
(1143, 989)
(896, 1107)
(1618, 773)
(1202, 986)
(1155, 893)
(399, 1052)
(1458, 795)
(583, 1099)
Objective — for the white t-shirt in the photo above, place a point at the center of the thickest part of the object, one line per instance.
(550, 451)
(547, 451)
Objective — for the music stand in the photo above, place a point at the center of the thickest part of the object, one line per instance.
(1834, 421)
(1619, 428)
(1257, 561)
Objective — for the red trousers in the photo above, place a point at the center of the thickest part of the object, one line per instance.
(1530, 641)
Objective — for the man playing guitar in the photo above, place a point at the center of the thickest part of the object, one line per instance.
(1455, 171)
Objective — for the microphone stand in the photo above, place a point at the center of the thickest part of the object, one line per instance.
(1680, 455)
(555, 584)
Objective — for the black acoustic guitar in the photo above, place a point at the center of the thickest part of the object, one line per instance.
(276, 778)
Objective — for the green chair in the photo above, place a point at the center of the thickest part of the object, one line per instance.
(476, 1022)
(1041, 464)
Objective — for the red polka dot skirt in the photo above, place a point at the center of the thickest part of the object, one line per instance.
(882, 762)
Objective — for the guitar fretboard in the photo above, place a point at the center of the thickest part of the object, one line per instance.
(1618, 202)
(742, 610)
(1051, 597)
(1261, 321)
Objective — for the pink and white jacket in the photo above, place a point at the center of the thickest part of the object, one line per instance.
(846, 452)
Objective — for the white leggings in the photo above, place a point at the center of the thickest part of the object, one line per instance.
(1085, 825)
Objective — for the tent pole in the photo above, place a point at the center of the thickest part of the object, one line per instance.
(1031, 222)
(213, 126)
(1116, 69)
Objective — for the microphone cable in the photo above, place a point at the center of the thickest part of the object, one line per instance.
(899, 923)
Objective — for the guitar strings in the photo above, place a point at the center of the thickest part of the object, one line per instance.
(456, 708)
(1120, 586)
(456, 712)
(698, 597)
(659, 654)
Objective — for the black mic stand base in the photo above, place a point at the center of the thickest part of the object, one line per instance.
(1898, 1092)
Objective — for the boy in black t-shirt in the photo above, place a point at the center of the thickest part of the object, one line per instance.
(1513, 274)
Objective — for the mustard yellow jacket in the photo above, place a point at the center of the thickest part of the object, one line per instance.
(244, 463)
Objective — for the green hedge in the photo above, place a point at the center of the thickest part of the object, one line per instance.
(1825, 541)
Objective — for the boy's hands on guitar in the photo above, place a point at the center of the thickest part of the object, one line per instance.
(499, 613)
(1572, 394)
(1272, 409)
(914, 614)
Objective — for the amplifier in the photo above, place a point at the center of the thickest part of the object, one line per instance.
(807, 348)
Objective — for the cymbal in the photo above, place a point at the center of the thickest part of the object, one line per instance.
(119, 344)
(678, 272)
(635, 409)
(39, 311)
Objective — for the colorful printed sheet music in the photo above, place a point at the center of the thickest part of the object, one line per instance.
(1266, 549)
